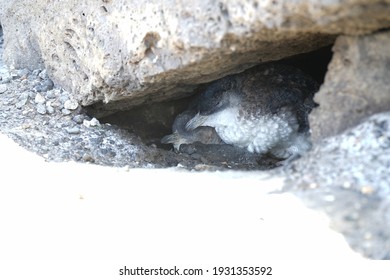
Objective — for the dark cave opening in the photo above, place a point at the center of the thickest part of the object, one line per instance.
(153, 121)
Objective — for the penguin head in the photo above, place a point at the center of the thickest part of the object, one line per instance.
(216, 97)
(219, 95)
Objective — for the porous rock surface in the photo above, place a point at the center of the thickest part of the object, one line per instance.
(130, 52)
(347, 176)
(356, 85)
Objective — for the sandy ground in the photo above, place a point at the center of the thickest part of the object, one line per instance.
(62, 211)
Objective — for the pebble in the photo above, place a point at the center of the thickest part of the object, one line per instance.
(65, 112)
(73, 130)
(39, 99)
(71, 104)
(87, 123)
(50, 94)
(26, 126)
(36, 72)
(6, 79)
(88, 158)
(93, 122)
(57, 104)
(43, 74)
(41, 109)
(32, 79)
(3, 88)
(63, 98)
(49, 108)
(78, 119)
(367, 190)
(22, 100)
(46, 85)
(32, 94)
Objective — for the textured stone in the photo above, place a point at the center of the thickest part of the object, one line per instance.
(49, 108)
(139, 51)
(71, 104)
(92, 122)
(65, 112)
(41, 108)
(3, 88)
(45, 85)
(78, 119)
(73, 130)
(39, 99)
(23, 98)
(356, 86)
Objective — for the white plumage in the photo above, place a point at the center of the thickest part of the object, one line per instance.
(275, 133)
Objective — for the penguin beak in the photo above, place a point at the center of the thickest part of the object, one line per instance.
(196, 121)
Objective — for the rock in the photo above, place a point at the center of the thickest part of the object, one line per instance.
(158, 50)
(32, 94)
(353, 168)
(78, 119)
(21, 103)
(22, 99)
(88, 158)
(39, 99)
(43, 74)
(63, 98)
(57, 104)
(93, 122)
(356, 84)
(45, 86)
(41, 108)
(73, 130)
(71, 104)
(49, 108)
(6, 78)
(66, 112)
(35, 72)
(50, 94)
(3, 88)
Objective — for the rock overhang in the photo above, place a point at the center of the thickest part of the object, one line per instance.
(120, 54)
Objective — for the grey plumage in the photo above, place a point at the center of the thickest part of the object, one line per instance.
(264, 109)
(180, 135)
